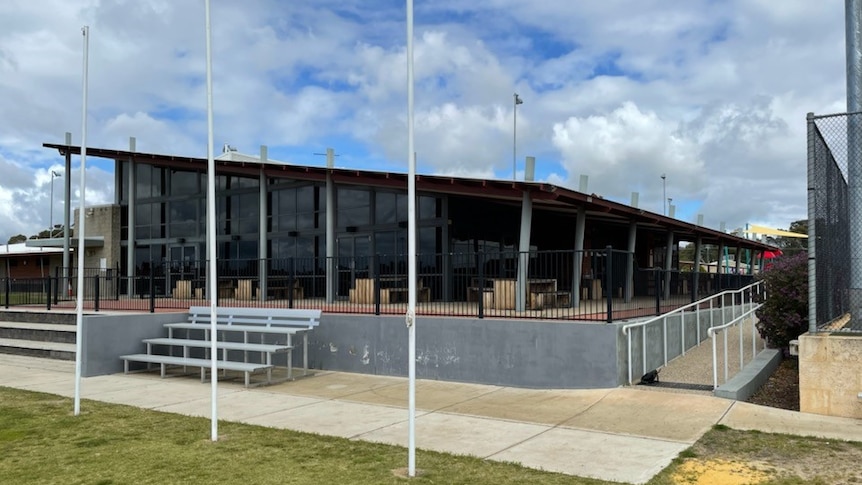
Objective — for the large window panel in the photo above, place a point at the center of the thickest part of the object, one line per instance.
(183, 218)
(428, 207)
(384, 208)
(305, 199)
(249, 213)
(354, 207)
(143, 181)
(184, 183)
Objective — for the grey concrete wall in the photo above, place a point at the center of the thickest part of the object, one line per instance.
(105, 337)
(519, 353)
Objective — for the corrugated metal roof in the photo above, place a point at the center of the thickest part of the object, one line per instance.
(21, 249)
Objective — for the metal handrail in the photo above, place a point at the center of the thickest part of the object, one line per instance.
(711, 331)
(681, 310)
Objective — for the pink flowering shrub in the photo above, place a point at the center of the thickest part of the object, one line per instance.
(784, 315)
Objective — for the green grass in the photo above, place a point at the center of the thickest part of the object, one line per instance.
(41, 441)
(23, 298)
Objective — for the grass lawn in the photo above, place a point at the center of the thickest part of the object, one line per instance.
(41, 441)
(23, 298)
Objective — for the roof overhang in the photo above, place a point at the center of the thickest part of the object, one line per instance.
(544, 195)
(58, 242)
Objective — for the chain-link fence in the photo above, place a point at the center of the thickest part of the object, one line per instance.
(834, 142)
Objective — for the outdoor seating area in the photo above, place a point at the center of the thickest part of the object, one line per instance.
(247, 339)
(393, 289)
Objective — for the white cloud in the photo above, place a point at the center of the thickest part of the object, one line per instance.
(627, 150)
(712, 93)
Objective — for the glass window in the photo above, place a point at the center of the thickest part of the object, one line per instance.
(246, 182)
(286, 201)
(305, 220)
(384, 208)
(354, 207)
(427, 207)
(248, 213)
(305, 199)
(124, 181)
(401, 211)
(183, 218)
(143, 181)
(143, 214)
(183, 183)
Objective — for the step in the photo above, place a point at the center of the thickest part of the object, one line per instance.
(53, 327)
(50, 332)
(59, 317)
(38, 348)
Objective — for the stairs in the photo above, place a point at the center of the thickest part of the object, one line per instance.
(48, 335)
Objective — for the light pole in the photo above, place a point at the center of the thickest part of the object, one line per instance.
(54, 174)
(669, 202)
(664, 193)
(518, 101)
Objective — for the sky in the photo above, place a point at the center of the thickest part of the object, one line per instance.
(712, 94)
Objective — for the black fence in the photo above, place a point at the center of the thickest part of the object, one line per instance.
(599, 285)
(833, 141)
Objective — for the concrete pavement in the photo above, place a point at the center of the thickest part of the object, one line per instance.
(622, 434)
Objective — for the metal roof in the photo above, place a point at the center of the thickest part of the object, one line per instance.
(544, 195)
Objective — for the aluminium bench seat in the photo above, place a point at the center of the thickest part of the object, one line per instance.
(247, 368)
(266, 350)
(263, 321)
(235, 327)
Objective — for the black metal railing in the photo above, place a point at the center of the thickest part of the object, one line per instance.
(598, 285)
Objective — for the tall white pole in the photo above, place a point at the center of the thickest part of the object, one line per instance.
(51, 208)
(517, 101)
(79, 317)
(664, 194)
(211, 232)
(411, 255)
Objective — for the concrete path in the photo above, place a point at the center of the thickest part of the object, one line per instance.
(623, 434)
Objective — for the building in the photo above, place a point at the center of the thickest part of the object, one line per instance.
(326, 228)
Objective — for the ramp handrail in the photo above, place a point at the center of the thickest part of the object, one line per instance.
(711, 331)
(758, 286)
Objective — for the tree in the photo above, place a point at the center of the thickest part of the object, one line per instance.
(784, 315)
(17, 239)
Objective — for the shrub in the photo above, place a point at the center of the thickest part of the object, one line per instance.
(784, 315)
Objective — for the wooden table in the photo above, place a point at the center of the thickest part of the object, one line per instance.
(364, 292)
(183, 289)
(505, 289)
(243, 290)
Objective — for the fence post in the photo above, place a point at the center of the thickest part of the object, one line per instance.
(96, 293)
(609, 280)
(375, 272)
(56, 285)
(695, 281)
(152, 287)
(291, 278)
(480, 293)
(48, 290)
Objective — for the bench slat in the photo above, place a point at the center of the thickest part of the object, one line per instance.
(281, 330)
(180, 342)
(251, 321)
(267, 313)
(192, 362)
